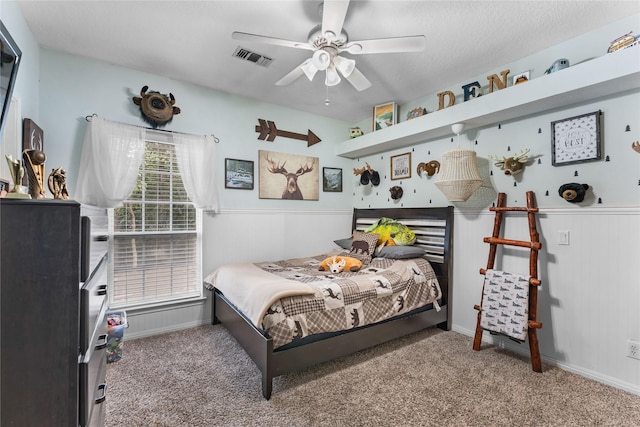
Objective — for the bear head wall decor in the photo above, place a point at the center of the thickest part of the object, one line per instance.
(396, 192)
(573, 192)
(157, 109)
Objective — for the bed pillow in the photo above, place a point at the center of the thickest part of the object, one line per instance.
(344, 243)
(363, 246)
(400, 252)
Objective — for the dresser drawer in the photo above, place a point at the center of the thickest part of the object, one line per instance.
(93, 305)
(93, 371)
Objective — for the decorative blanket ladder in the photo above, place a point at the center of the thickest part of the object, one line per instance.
(530, 321)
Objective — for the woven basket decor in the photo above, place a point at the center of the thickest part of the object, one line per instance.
(458, 177)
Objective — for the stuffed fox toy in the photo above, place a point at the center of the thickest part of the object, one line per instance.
(338, 264)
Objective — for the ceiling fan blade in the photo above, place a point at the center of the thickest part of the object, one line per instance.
(333, 14)
(358, 80)
(247, 37)
(294, 74)
(390, 45)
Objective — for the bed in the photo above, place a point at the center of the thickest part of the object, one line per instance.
(433, 228)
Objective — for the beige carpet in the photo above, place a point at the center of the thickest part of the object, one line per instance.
(201, 377)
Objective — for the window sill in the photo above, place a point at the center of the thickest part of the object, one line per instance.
(161, 306)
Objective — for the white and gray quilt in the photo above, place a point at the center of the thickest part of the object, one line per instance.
(326, 302)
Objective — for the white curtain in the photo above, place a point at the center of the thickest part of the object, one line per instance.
(111, 157)
(196, 157)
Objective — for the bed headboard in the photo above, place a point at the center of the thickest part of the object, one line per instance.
(434, 233)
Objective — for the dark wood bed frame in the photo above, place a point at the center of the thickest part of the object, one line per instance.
(434, 231)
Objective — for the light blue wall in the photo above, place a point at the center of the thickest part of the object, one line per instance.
(614, 182)
(74, 87)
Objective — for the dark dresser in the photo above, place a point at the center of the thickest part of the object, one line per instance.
(53, 304)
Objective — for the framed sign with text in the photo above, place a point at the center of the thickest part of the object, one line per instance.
(401, 166)
(576, 139)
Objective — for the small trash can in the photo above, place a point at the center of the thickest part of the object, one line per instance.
(116, 322)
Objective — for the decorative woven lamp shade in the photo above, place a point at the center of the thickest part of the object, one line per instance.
(458, 177)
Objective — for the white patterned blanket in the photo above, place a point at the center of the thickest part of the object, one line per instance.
(505, 304)
(325, 302)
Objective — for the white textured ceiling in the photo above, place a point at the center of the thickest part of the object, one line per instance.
(191, 41)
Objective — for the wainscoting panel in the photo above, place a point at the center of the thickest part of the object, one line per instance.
(244, 236)
(589, 301)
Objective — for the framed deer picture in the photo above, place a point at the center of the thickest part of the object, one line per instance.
(288, 176)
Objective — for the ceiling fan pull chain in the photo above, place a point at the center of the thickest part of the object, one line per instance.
(326, 101)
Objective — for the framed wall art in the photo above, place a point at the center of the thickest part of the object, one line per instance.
(332, 180)
(576, 139)
(384, 115)
(288, 176)
(401, 166)
(238, 174)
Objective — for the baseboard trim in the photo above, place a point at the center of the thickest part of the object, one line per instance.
(604, 379)
(166, 329)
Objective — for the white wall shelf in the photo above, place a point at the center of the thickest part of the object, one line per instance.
(606, 75)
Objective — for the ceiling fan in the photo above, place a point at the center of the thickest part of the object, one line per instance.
(328, 41)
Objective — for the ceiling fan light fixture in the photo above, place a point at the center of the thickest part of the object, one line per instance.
(332, 77)
(321, 59)
(309, 69)
(344, 65)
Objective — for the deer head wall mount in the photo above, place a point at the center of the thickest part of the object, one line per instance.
(512, 165)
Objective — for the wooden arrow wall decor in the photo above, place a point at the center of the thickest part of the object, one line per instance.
(267, 130)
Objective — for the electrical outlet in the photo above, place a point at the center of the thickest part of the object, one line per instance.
(633, 349)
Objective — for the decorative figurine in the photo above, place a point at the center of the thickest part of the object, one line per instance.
(512, 165)
(34, 163)
(559, 64)
(624, 42)
(17, 172)
(573, 192)
(416, 112)
(355, 132)
(57, 183)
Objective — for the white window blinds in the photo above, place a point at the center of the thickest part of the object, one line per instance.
(156, 236)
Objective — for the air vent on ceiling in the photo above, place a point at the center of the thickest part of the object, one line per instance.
(254, 57)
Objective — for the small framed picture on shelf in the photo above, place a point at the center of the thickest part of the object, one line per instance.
(384, 115)
(520, 78)
(576, 139)
(401, 166)
(332, 180)
(238, 174)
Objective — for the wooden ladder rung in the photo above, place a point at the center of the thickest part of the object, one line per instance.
(532, 281)
(512, 209)
(521, 243)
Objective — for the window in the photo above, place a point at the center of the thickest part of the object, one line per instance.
(156, 236)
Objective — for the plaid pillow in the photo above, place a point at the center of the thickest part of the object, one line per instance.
(363, 246)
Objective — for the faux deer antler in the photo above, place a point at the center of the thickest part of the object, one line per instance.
(304, 169)
(276, 168)
(359, 171)
(636, 146)
(496, 158)
(522, 155)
